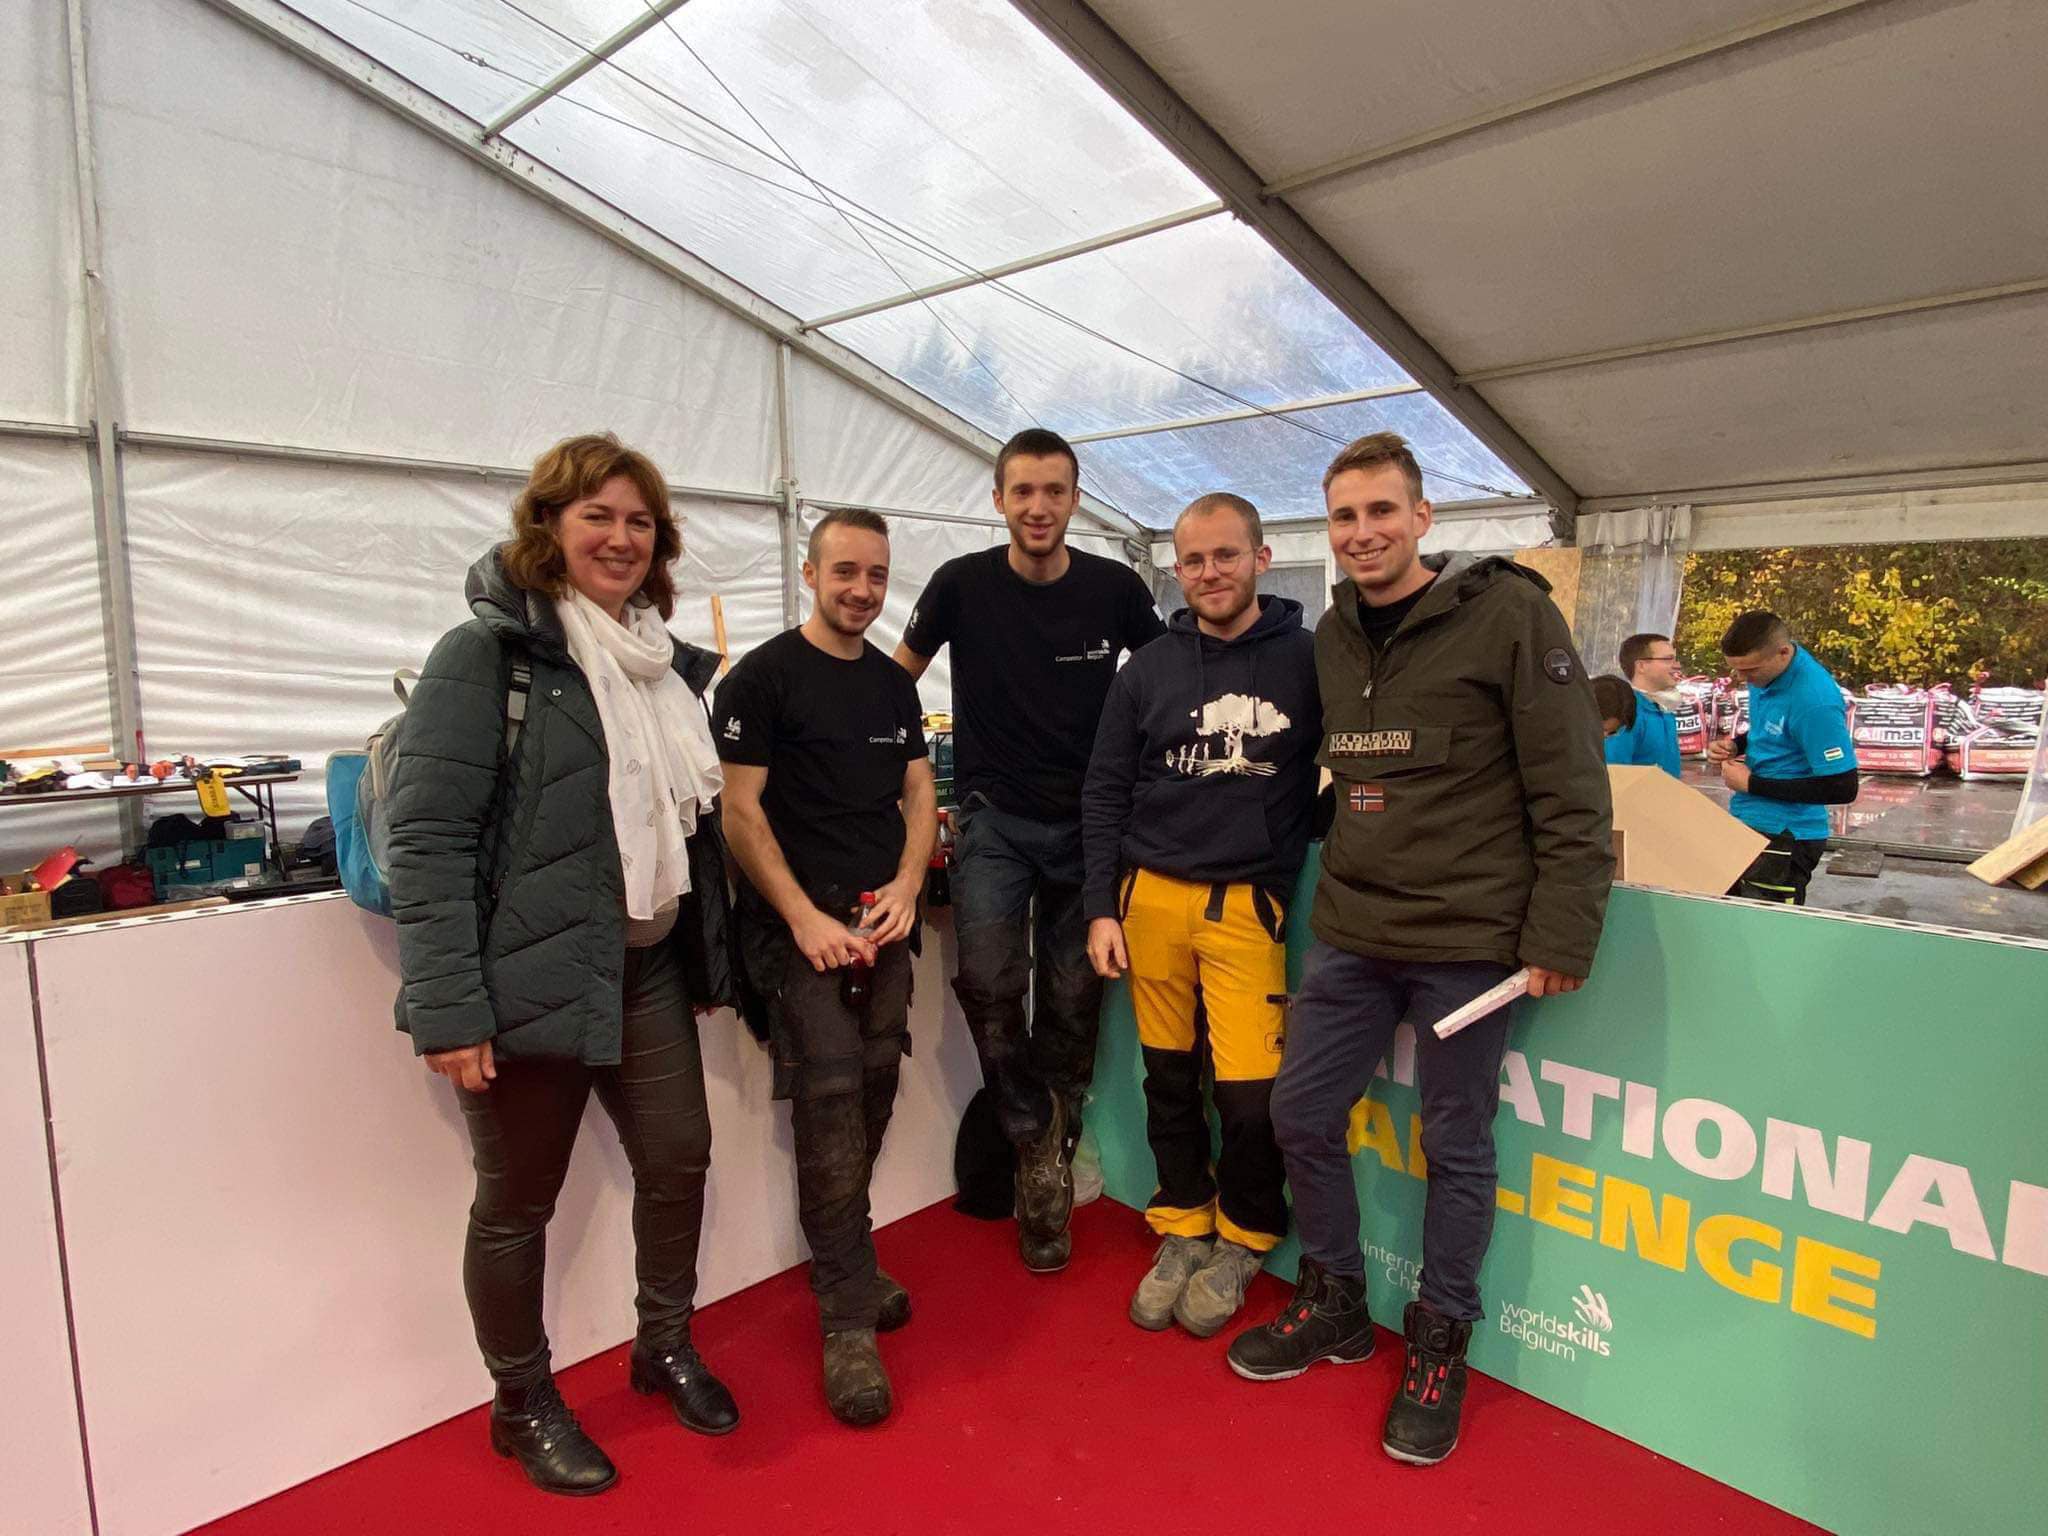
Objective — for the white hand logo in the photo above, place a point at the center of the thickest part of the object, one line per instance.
(1592, 1309)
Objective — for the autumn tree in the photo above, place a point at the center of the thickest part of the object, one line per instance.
(1908, 613)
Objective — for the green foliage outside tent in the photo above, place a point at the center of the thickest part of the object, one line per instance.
(1907, 613)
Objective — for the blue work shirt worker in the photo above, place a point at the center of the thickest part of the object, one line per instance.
(1650, 663)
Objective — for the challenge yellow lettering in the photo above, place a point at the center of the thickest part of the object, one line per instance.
(1417, 1163)
(1625, 1210)
(1372, 1126)
(1817, 1286)
(1551, 1199)
(1762, 1281)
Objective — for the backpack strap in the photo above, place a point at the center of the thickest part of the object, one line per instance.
(515, 703)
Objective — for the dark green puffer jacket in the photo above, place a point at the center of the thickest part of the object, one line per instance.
(505, 877)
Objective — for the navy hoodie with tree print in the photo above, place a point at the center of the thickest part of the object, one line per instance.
(1204, 765)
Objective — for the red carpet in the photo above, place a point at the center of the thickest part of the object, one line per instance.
(1025, 1404)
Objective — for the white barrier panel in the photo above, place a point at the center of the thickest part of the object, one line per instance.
(264, 1198)
(42, 1469)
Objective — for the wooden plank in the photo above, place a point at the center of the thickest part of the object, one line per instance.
(2014, 855)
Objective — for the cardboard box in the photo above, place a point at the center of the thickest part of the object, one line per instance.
(1669, 835)
(31, 909)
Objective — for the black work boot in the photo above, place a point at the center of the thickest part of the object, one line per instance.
(536, 1429)
(892, 1303)
(699, 1398)
(856, 1386)
(1045, 1194)
(1422, 1424)
(1325, 1320)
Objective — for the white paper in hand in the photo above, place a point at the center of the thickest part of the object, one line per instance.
(1486, 1002)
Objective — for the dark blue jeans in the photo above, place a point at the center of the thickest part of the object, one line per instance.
(1016, 903)
(1339, 1027)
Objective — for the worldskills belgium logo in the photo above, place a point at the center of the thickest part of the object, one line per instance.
(1551, 1334)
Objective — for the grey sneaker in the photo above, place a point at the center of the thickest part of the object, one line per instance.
(1216, 1290)
(1157, 1294)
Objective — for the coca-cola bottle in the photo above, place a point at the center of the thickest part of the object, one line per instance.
(856, 982)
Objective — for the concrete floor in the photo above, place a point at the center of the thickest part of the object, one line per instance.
(1940, 812)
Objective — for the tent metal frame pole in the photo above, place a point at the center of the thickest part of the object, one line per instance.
(1114, 65)
(1023, 264)
(1251, 413)
(1960, 477)
(109, 506)
(345, 459)
(963, 519)
(2024, 288)
(790, 516)
(45, 429)
(286, 28)
(655, 15)
(1675, 58)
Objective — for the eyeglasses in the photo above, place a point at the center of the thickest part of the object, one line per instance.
(1224, 562)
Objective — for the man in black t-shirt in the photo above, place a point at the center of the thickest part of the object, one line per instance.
(829, 799)
(1036, 629)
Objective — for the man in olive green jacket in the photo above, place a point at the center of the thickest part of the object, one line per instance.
(1472, 838)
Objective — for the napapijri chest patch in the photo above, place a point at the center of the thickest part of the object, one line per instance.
(1371, 743)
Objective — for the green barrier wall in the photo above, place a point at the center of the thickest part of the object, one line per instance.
(1774, 1203)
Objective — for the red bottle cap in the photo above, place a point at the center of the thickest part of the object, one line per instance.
(867, 898)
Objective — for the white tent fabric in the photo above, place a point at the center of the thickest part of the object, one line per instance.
(41, 325)
(275, 600)
(321, 276)
(327, 281)
(53, 671)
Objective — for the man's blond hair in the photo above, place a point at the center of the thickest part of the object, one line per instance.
(1373, 450)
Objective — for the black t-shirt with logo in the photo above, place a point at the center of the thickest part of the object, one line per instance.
(1032, 663)
(834, 736)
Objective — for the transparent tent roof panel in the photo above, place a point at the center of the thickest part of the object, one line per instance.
(948, 134)
(755, 222)
(958, 121)
(1277, 463)
(1186, 322)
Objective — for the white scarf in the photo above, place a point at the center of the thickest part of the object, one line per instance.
(664, 768)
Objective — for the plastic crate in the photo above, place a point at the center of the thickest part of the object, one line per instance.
(204, 862)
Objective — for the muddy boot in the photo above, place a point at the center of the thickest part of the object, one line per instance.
(856, 1386)
(1045, 1195)
(892, 1303)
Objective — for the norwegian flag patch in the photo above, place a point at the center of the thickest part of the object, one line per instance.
(1368, 797)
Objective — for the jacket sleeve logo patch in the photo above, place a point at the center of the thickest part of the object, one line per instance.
(1557, 664)
(1371, 743)
(1368, 797)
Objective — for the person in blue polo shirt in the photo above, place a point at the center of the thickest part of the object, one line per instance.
(1795, 761)
(1650, 663)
